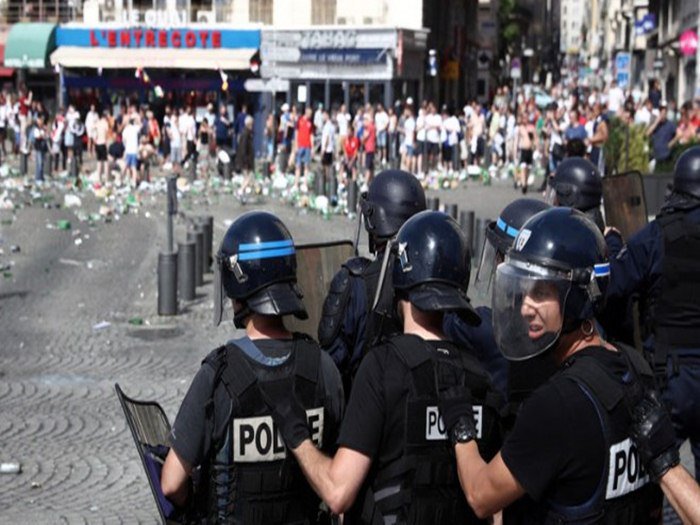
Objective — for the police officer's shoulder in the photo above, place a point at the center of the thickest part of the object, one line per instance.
(635, 358)
(216, 357)
(356, 265)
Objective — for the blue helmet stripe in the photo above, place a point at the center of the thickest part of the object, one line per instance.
(266, 254)
(269, 245)
(503, 226)
(602, 270)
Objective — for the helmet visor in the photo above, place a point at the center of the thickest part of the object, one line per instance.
(528, 308)
(219, 293)
(490, 258)
(550, 195)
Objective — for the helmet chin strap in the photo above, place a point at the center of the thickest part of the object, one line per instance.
(240, 316)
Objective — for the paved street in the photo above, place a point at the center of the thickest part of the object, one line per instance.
(61, 418)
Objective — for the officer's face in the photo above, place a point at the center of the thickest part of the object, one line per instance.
(541, 310)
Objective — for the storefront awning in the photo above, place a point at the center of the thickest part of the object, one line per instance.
(132, 58)
(29, 45)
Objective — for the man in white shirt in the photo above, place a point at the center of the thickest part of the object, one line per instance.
(616, 98)
(408, 159)
(381, 122)
(343, 119)
(433, 124)
(91, 127)
(130, 139)
(188, 132)
(421, 146)
(327, 149)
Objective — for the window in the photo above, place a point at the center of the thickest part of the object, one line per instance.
(261, 11)
(323, 12)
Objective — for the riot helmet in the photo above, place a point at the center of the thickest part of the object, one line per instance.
(686, 175)
(577, 184)
(500, 235)
(553, 280)
(393, 197)
(256, 265)
(433, 264)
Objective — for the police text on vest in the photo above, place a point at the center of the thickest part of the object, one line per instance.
(435, 428)
(625, 472)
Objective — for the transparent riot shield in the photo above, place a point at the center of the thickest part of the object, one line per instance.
(316, 266)
(150, 429)
(624, 202)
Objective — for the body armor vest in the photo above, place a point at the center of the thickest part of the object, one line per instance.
(253, 479)
(624, 493)
(422, 485)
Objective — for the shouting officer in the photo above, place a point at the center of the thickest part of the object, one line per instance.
(498, 239)
(661, 263)
(355, 316)
(394, 463)
(224, 424)
(570, 449)
(577, 184)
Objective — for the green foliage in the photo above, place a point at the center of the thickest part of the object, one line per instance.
(667, 166)
(615, 150)
(509, 29)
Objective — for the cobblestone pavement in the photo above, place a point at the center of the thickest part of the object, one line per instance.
(61, 418)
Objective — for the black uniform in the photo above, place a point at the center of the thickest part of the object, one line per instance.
(576, 470)
(392, 417)
(225, 426)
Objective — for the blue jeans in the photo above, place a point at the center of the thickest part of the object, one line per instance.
(39, 157)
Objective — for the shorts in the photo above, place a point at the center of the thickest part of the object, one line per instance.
(433, 148)
(446, 153)
(526, 157)
(381, 139)
(132, 160)
(327, 159)
(303, 156)
(419, 149)
(369, 160)
(101, 152)
(175, 155)
(410, 151)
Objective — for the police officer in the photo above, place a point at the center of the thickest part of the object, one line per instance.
(224, 424)
(394, 463)
(661, 263)
(498, 239)
(577, 184)
(350, 321)
(570, 448)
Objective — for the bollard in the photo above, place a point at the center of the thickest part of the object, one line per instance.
(452, 211)
(433, 203)
(185, 270)
(200, 227)
(352, 196)
(167, 283)
(198, 238)
(48, 161)
(208, 222)
(191, 170)
(228, 170)
(319, 183)
(73, 167)
(478, 238)
(333, 188)
(171, 183)
(466, 221)
(23, 159)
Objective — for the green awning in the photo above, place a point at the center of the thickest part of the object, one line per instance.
(29, 45)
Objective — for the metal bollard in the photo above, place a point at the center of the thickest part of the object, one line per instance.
(191, 170)
(198, 238)
(200, 227)
(466, 221)
(333, 188)
(167, 283)
(452, 211)
(478, 238)
(228, 169)
(208, 222)
(23, 160)
(319, 183)
(73, 166)
(352, 196)
(185, 270)
(433, 203)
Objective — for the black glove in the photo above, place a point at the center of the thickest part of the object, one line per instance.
(653, 433)
(290, 418)
(458, 414)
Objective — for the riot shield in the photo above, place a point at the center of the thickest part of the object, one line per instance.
(150, 429)
(316, 266)
(624, 202)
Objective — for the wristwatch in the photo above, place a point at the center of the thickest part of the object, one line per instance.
(463, 431)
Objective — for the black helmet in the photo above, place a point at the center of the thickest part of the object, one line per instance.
(560, 257)
(433, 264)
(576, 183)
(394, 196)
(686, 175)
(256, 265)
(500, 235)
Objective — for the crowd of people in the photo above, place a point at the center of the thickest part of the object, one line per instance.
(515, 135)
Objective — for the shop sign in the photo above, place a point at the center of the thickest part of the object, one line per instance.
(336, 39)
(144, 38)
(341, 56)
(156, 17)
(688, 42)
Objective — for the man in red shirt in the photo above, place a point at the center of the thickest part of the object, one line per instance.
(304, 146)
(369, 142)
